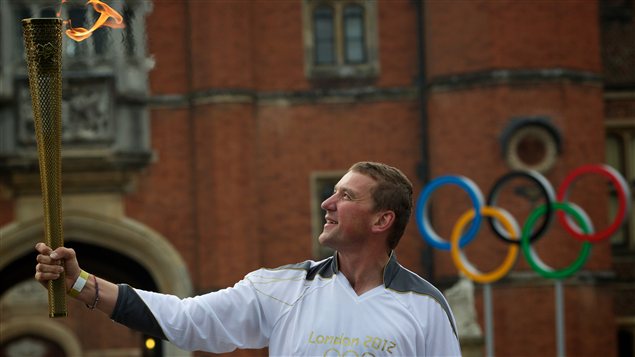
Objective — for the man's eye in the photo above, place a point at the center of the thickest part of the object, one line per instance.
(342, 194)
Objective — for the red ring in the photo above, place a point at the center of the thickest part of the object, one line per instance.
(622, 192)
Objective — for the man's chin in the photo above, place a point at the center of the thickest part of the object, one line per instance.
(324, 240)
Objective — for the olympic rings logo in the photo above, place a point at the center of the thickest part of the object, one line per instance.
(574, 220)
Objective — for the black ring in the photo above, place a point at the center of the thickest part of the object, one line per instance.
(545, 189)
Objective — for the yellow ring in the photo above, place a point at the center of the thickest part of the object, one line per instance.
(461, 261)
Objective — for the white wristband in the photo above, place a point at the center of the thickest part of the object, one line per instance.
(79, 284)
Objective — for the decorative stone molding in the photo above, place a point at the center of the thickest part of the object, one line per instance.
(105, 114)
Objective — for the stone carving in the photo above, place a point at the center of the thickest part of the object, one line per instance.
(86, 114)
(89, 113)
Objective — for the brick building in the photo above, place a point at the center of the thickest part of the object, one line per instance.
(200, 140)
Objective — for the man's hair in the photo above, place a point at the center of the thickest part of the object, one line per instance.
(393, 192)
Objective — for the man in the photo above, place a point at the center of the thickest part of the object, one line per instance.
(359, 302)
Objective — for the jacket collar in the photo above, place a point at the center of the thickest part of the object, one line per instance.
(390, 270)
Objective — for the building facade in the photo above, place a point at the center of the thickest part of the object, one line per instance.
(200, 139)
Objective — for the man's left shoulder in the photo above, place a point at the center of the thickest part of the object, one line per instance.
(401, 280)
(416, 292)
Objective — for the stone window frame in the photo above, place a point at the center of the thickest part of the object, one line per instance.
(541, 133)
(620, 152)
(340, 69)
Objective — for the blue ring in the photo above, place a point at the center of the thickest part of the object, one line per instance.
(423, 217)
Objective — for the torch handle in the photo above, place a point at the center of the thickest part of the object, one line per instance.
(43, 45)
(48, 133)
(50, 179)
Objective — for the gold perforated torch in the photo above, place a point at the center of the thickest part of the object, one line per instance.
(43, 45)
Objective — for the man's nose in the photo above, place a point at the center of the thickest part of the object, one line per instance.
(329, 203)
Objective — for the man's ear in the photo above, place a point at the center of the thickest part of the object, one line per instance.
(383, 221)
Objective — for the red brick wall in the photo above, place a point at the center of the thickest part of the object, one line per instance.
(295, 141)
(168, 21)
(465, 36)
(230, 186)
(244, 167)
(466, 125)
(525, 320)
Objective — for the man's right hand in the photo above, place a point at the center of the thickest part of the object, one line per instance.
(51, 263)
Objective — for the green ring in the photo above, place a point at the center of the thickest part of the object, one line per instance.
(532, 258)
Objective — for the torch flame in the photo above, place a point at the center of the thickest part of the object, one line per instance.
(108, 17)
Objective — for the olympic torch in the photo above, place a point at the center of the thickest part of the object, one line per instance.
(43, 44)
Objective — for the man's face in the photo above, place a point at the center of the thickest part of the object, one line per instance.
(349, 212)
